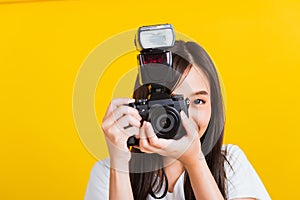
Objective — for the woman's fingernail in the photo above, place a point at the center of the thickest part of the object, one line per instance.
(144, 124)
(131, 100)
(183, 115)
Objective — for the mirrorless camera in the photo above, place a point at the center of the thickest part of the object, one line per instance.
(160, 108)
(163, 114)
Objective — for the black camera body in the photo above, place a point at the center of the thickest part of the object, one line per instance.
(164, 115)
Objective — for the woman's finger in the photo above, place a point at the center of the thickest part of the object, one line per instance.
(128, 121)
(188, 125)
(116, 135)
(150, 134)
(125, 110)
(156, 145)
(142, 136)
(132, 131)
(144, 144)
(118, 113)
(116, 103)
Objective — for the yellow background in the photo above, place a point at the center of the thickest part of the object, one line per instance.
(254, 44)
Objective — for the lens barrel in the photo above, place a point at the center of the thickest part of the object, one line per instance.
(165, 121)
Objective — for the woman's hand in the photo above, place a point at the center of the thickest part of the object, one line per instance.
(120, 122)
(187, 149)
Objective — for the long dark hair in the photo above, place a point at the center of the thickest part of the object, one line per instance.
(185, 54)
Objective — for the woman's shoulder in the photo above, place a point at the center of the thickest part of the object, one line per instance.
(231, 150)
(98, 182)
(243, 180)
(234, 155)
(102, 165)
(235, 160)
(100, 170)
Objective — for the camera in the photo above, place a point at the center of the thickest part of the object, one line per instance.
(160, 108)
(163, 114)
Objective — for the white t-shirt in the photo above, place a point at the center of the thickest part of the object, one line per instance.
(242, 181)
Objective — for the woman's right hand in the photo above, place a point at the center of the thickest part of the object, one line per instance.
(119, 123)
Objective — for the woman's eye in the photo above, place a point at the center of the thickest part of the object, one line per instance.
(199, 101)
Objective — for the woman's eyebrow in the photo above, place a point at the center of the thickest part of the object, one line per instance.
(201, 92)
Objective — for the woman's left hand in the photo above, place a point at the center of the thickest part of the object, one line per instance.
(187, 149)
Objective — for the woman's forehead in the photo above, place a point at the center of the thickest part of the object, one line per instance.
(194, 82)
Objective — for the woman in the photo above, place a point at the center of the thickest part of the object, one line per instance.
(196, 166)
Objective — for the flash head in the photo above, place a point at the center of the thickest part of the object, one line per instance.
(154, 44)
(155, 37)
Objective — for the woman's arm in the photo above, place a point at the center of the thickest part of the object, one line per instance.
(119, 122)
(119, 185)
(202, 181)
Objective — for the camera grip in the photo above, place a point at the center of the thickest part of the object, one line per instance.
(132, 141)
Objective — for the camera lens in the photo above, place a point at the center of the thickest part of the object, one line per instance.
(165, 121)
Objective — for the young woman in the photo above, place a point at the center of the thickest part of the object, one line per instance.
(196, 166)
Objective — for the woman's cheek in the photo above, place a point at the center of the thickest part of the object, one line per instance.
(202, 120)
